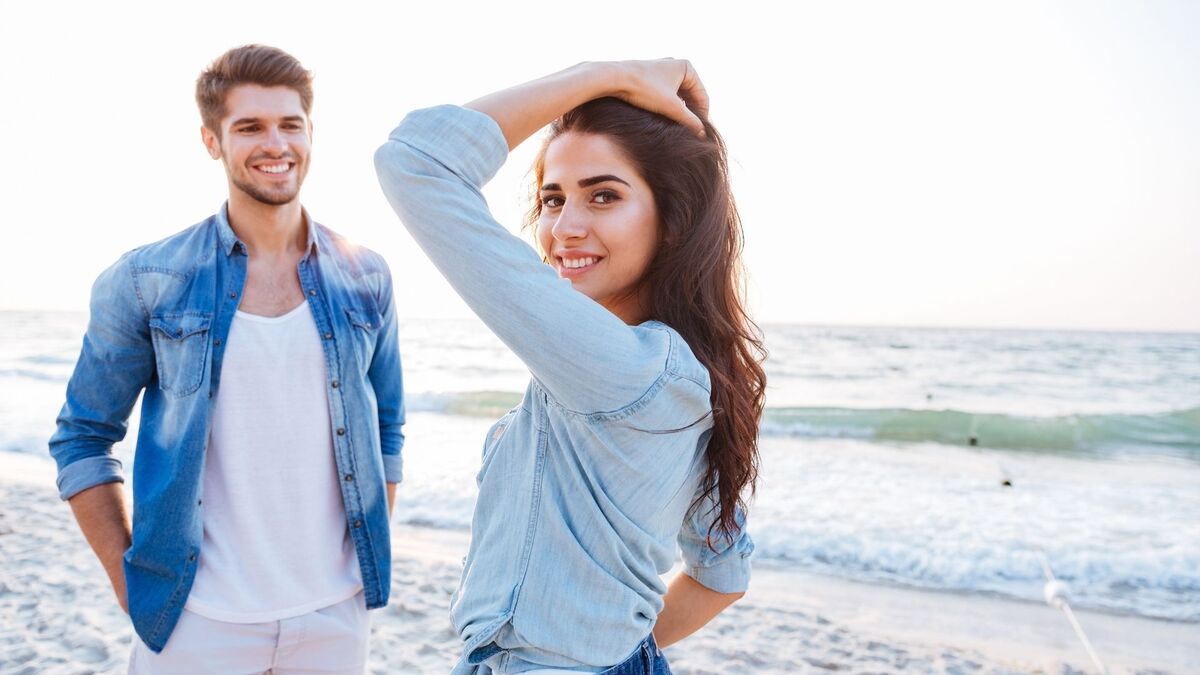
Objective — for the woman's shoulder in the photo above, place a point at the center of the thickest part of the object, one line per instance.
(678, 359)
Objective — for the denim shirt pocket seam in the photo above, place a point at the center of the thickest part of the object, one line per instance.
(182, 332)
(368, 319)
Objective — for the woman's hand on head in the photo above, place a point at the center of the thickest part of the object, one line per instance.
(669, 87)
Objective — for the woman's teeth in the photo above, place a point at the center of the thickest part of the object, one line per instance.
(576, 263)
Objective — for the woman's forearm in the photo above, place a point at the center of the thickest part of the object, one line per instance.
(668, 87)
(522, 110)
(687, 607)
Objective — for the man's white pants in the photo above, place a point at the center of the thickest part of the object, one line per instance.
(329, 640)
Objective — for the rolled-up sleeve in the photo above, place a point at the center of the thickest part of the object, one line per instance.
(724, 566)
(115, 364)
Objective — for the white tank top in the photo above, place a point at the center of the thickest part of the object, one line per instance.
(276, 544)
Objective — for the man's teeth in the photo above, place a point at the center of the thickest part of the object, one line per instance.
(275, 168)
(576, 263)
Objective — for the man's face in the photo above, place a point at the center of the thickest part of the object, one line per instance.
(264, 143)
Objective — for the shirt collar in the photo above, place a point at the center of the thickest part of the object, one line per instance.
(231, 243)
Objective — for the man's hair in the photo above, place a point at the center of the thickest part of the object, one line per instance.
(249, 64)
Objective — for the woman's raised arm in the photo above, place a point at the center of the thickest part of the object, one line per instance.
(668, 87)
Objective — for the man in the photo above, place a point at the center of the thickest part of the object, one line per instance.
(271, 420)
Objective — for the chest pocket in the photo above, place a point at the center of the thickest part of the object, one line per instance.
(364, 331)
(180, 350)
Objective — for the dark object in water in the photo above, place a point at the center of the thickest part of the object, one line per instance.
(972, 441)
(1006, 482)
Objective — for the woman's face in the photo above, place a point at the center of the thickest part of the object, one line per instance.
(599, 225)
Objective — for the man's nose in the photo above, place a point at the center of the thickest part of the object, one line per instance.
(274, 142)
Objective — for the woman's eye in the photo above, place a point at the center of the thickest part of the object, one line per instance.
(552, 202)
(605, 197)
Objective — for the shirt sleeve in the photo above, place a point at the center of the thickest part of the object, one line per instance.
(386, 378)
(725, 565)
(432, 169)
(115, 364)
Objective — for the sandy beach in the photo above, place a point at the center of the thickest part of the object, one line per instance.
(58, 615)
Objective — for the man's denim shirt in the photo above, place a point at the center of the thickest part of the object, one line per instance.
(159, 320)
(586, 487)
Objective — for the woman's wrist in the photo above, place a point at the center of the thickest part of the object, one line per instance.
(601, 78)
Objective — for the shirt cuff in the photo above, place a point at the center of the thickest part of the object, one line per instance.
(89, 472)
(467, 142)
(393, 468)
(730, 576)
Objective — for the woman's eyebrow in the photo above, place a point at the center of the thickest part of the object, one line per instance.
(588, 182)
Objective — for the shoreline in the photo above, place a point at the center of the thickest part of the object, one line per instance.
(56, 610)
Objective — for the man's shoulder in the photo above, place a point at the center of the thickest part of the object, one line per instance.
(176, 254)
(354, 258)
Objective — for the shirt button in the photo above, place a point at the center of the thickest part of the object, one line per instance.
(329, 336)
(192, 557)
(233, 294)
(217, 342)
(349, 477)
(341, 431)
(334, 384)
(178, 332)
(357, 523)
(312, 291)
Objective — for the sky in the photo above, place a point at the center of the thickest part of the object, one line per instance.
(1015, 164)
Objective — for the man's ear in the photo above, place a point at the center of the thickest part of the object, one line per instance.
(211, 142)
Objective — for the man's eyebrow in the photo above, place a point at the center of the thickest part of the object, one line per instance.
(257, 120)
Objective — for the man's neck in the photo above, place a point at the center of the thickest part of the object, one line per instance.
(266, 228)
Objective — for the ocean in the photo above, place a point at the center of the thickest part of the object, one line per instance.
(947, 459)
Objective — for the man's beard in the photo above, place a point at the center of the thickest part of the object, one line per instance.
(270, 198)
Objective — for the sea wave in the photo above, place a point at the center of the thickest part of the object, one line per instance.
(1174, 433)
(1148, 583)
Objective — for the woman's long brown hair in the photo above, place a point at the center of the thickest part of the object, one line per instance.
(694, 283)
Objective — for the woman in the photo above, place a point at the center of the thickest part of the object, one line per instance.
(639, 426)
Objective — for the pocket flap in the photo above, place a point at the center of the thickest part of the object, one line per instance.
(180, 326)
(365, 319)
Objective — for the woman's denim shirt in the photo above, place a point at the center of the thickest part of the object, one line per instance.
(159, 320)
(585, 487)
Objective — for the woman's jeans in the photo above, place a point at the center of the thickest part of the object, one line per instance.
(648, 659)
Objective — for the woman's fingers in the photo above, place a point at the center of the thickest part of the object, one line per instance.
(692, 91)
(671, 88)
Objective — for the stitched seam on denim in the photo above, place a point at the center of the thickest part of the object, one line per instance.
(670, 369)
(137, 291)
(162, 616)
(363, 542)
(613, 415)
(152, 269)
(188, 389)
(534, 513)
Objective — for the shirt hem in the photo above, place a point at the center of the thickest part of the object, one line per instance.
(215, 614)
